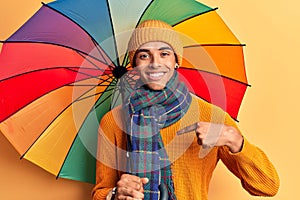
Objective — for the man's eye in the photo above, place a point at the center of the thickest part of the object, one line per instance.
(143, 56)
(165, 53)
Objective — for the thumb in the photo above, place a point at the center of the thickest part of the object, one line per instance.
(145, 180)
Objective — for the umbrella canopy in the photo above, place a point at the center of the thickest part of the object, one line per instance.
(59, 71)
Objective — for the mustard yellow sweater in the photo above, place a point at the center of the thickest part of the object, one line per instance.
(191, 174)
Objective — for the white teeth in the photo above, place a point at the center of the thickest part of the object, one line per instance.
(156, 74)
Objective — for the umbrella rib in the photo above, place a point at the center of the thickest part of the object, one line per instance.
(110, 75)
(113, 32)
(104, 56)
(130, 80)
(57, 176)
(92, 38)
(232, 79)
(125, 59)
(114, 103)
(68, 68)
(90, 61)
(71, 69)
(130, 76)
(99, 84)
(83, 85)
(144, 13)
(213, 9)
(224, 44)
(99, 104)
(86, 97)
(91, 76)
(103, 80)
(42, 132)
(81, 127)
(51, 43)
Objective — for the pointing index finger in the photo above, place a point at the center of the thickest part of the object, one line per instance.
(187, 129)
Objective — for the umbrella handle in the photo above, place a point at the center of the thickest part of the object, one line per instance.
(163, 192)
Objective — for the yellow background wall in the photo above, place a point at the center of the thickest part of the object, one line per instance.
(269, 114)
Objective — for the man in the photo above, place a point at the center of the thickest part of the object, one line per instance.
(140, 155)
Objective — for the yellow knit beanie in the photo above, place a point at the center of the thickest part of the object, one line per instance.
(154, 30)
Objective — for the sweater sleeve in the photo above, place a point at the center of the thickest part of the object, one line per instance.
(251, 165)
(107, 174)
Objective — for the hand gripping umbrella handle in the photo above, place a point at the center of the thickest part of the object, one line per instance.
(163, 192)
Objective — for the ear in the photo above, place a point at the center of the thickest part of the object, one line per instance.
(176, 57)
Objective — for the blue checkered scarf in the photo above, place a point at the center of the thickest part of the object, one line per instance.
(150, 111)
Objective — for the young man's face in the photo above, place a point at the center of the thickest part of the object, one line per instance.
(155, 62)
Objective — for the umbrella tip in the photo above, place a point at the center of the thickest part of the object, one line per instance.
(119, 71)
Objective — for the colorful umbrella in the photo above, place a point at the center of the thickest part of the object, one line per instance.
(59, 71)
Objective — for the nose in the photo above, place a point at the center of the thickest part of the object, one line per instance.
(155, 61)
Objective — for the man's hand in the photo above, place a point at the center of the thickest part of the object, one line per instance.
(131, 187)
(210, 135)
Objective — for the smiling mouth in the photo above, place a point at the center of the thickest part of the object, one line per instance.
(155, 75)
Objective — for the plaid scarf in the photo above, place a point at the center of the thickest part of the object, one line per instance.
(150, 111)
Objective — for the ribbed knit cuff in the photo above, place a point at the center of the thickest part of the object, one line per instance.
(248, 150)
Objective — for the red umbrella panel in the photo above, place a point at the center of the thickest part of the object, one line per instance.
(214, 57)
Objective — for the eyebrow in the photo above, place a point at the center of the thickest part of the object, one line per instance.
(142, 50)
(160, 49)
